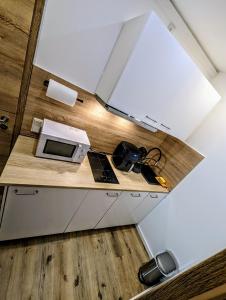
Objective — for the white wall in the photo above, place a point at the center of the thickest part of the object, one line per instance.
(153, 229)
(195, 211)
(76, 55)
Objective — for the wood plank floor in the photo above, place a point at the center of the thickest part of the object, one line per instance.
(89, 265)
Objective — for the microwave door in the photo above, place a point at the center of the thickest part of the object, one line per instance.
(68, 152)
(61, 150)
(58, 148)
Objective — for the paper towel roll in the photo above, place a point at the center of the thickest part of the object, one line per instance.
(61, 93)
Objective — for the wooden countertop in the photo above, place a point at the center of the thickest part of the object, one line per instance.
(23, 168)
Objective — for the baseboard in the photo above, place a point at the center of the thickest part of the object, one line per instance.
(147, 247)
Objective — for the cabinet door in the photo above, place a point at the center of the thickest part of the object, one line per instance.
(146, 206)
(160, 84)
(92, 209)
(31, 211)
(121, 211)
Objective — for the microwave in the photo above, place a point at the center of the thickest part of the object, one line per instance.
(62, 142)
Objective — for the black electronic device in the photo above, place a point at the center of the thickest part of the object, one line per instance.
(125, 156)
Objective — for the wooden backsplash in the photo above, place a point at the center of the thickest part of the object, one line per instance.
(15, 21)
(106, 130)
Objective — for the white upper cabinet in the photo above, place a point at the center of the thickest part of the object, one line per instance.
(157, 83)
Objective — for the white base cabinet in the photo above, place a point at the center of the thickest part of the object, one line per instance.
(147, 205)
(121, 212)
(31, 211)
(92, 209)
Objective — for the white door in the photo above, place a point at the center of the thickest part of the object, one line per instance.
(121, 211)
(31, 211)
(146, 206)
(161, 86)
(92, 209)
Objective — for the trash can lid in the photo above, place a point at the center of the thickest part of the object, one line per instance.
(166, 263)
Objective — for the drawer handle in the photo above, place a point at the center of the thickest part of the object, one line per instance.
(165, 126)
(25, 194)
(135, 195)
(112, 195)
(154, 196)
(151, 119)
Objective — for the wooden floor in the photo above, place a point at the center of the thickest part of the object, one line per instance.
(89, 265)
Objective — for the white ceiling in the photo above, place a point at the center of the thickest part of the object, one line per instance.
(207, 19)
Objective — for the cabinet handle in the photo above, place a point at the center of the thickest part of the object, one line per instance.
(165, 126)
(135, 195)
(4, 122)
(151, 119)
(25, 194)
(154, 196)
(112, 194)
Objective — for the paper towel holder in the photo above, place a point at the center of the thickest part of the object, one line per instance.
(46, 84)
